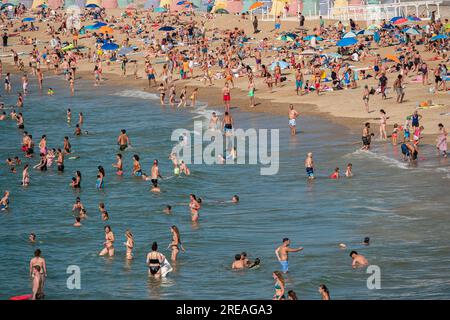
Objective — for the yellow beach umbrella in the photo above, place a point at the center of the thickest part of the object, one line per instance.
(105, 29)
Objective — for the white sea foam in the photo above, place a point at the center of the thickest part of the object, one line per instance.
(389, 161)
(137, 94)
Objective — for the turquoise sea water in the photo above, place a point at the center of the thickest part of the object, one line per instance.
(403, 209)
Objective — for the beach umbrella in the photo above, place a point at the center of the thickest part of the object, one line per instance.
(350, 34)
(308, 38)
(166, 28)
(334, 55)
(285, 38)
(180, 3)
(346, 42)
(160, 9)
(105, 29)
(100, 24)
(92, 27)
(395, 19)
(222, 11)
(373, 27)
(412, 18)
(125, 50)
(439, 37)
(282, 64)
(110, 46)
(365, 33)
(42, 6)
(412, 31)
(400, 21)
(28, 19)
(92, 6)
(392, 58)
(6, 5)
(255, 6)
(388, 27)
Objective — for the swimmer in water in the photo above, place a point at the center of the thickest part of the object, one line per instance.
(137, 171)
(123, 140)
(101, 208)
(235, 199)
(78, 206)
(366, 241)
(69, 115)
(4, 201)
(358, 260)
(109, 243)
(129, 244)
(323, 290)
(77, 130)
(214, 122)
(184, 169)
(176, 244)
(32, 238)
(238, 263)
(155, 174)
(118, 165)
(77, 222)
(282, 253)
(335, 174)
(309, 165)
(168, 209)
(194, 205)
(349, 171)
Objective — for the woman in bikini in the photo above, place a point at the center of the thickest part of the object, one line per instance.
(37, 260)
(195, 206)
(154, 261)
(109, 243)
(118, 165)
(137, 171)
(279, 286)
(129, 244)
(176, 242)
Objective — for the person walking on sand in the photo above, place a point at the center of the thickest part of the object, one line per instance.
(293, 114)
(282, 253)
(366, 96)
(398, 87)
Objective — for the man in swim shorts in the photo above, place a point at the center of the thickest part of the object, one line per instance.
(155, 174)
(366, 136)
(123, 140)
(282, 253)
(309, 165)
(293, 114)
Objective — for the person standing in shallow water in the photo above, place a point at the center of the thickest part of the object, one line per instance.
(282, 253)
(109, 243)
(293, 114)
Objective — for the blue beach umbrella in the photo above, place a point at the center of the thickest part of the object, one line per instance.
(92, 6)
(110, 46)
(180, 3)
(412, 18)
(28, 19)
(412, 31)
(100, 24)
(92, 27)
(346, 42)
(282, 64)
(166, 28)
(125, 50)
(308, 38)
(350, 34)
(395, 19)
(160, 9)
(439, 37)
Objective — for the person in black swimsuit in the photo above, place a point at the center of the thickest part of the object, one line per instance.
(154, 261)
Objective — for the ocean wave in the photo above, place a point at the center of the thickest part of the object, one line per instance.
(137, 94)
(389, 161)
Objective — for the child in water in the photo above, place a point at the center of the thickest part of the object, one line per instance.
(349, 171)
(394, 135)
(50, 92)
(335, 174)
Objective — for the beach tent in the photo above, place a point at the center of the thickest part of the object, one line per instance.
(109, 4)
(37, 3)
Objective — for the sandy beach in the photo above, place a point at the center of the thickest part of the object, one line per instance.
(344, 106)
